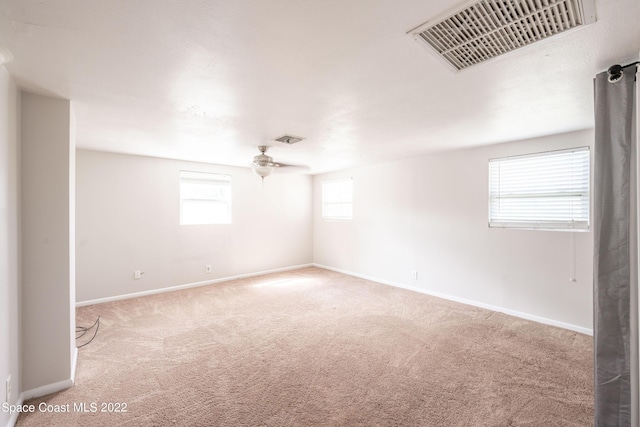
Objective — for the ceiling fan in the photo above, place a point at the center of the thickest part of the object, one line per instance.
(263, 164)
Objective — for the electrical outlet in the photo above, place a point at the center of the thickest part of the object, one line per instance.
(207, 268)
(8, 395)
(414, 274)
(137, 274)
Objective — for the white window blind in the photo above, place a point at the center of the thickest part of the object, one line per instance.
(540, 191)
(337, 199)
(205, 198)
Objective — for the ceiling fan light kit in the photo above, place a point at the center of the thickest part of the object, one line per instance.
(262, 164)
(262, 171)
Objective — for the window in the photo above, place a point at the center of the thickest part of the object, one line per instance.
(205, 198)
(540, 191)
(337, 199)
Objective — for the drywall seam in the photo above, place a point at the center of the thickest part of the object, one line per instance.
(187, 286)
(515, 313)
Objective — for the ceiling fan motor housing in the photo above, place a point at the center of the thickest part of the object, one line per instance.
(263, 160)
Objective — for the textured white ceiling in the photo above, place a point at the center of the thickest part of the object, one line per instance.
(209, 80)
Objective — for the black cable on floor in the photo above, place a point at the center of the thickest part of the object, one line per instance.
(83, 331)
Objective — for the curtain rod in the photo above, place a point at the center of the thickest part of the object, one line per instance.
(615, 71)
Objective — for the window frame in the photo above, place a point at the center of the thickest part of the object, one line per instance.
(325, 203)
(215, 180)
(579, 222)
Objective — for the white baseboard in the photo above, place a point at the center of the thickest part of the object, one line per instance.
(46, 389)
(37, 392)
(527, 316)
(14, 416)
(188, 285)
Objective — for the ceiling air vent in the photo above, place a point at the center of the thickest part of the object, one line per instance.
(288, 139)
(482, 30)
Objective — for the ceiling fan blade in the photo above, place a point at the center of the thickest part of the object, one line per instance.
(285, 168)
(263, 160)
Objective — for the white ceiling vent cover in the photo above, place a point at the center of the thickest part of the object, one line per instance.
(482, 30)
(289, 139)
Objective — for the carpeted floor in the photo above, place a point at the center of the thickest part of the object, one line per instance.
(317, 348)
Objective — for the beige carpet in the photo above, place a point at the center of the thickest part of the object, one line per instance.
(317, 348)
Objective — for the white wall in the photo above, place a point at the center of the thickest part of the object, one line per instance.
(128, 218)
(429, 214)
(46, 180)
(9, 242)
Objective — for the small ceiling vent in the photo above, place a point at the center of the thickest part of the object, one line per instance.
(288, 139)
(482, 30)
